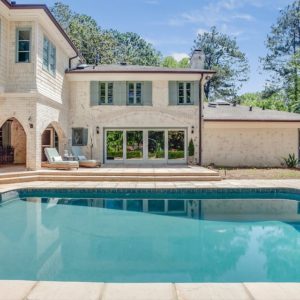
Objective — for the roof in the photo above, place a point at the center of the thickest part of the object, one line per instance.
(49, 14)
(242, 113)
(119, 68)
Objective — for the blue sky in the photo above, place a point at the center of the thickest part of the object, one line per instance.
(172, 25)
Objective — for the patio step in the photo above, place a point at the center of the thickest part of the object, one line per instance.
(108, 178)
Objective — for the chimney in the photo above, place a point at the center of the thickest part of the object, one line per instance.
(197, 59)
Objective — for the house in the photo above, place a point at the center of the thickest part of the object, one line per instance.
(119, 113)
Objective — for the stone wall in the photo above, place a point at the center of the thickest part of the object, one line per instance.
(18, 141)
(260, 144)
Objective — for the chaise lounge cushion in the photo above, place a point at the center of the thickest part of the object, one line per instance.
(56, 162)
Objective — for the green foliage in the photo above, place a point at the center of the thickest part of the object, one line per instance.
(283, 44)
(274, 102)
(191, 148)
(291, 161)
(176, 154)
(111, 45)
(171, 62)
(224, 56)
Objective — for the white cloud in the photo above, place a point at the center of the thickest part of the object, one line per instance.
(180, 55)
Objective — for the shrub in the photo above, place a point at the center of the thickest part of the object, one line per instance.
(291, 161)
(191, 148)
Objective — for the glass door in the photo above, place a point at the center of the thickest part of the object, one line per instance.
(134, 145)
(156, 145)
(114, 145)
(176, 146)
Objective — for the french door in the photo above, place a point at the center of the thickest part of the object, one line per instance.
(145, 145)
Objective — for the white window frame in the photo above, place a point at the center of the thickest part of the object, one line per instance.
(186, 100)
(51, 56)
(17, 45)
(107, 86)
(135, 93)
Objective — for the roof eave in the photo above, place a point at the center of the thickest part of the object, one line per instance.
(137, 71)
(250, 120)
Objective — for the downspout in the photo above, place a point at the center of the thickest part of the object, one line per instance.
(200, 119)
(70, 60)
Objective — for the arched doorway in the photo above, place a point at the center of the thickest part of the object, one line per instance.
(12, 143)
(52, 137)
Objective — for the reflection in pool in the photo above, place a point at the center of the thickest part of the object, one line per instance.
(150, 236)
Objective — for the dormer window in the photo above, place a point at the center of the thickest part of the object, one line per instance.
(23, 46)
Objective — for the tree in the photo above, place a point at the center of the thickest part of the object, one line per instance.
(283, 44)
(133, 49)
(224, 56)
(171, 62)
(274, 102)
(111, 45)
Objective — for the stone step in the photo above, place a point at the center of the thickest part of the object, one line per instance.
(108, 178)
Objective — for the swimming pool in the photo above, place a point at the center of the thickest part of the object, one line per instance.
(222, 235)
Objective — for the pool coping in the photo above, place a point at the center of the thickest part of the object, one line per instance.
(39, 290)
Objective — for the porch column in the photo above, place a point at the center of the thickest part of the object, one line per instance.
(33, 153)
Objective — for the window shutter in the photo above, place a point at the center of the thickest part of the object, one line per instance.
(173, 93)
(196, 92)
(85, 134)
(120, 93)
(147, 93)
(94, 93)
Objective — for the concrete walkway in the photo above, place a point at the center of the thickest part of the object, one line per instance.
(31, 290)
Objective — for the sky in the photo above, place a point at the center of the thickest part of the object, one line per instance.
(172, 25)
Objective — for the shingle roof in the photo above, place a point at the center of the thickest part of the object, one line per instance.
(118, 68)
(243, 113)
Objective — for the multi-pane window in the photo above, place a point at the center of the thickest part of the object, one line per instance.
(134, 93)
(106, 93)
(23, 45)
(49, 56)
(184, 93)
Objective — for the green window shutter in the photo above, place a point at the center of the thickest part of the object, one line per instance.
(94, 93)
(120, 93)
(195, 87)
(173, 93)
(85, 135)
(147, 93)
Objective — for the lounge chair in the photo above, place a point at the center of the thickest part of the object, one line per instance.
(56, 162)
(83, 161)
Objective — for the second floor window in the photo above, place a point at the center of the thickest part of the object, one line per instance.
(23, 45)
(106, 93)
(134, 93)
(49, 56)
(184, 93)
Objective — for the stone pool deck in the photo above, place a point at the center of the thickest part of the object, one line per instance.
(28, 290)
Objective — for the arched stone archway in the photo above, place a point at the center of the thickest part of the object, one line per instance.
(52, 136)
(12, 142)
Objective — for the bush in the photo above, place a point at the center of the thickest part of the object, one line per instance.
(291, 161)
(191, 148)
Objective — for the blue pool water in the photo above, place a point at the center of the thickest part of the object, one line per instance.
(150, 236)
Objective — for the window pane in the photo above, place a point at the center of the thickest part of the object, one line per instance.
(134, 147)
(138, 94)
(135, 205)
(156, 144)
(52, 59)
(110, 92)
(23, 46)
(23, 57)
(114, 145)
(176, 144)
(176, 205)
(102, 93)
(156, 205)
(131, 93)
(188, 92)
(24, 35)
(77, 136)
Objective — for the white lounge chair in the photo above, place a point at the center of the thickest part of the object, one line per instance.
(56, 162)
(83, 161)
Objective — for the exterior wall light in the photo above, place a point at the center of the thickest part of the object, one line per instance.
(97, 130)
(193, 129)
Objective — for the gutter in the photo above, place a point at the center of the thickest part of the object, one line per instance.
(139, 71)
(251, 120)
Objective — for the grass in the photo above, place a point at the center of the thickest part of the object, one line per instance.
(261, 173)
